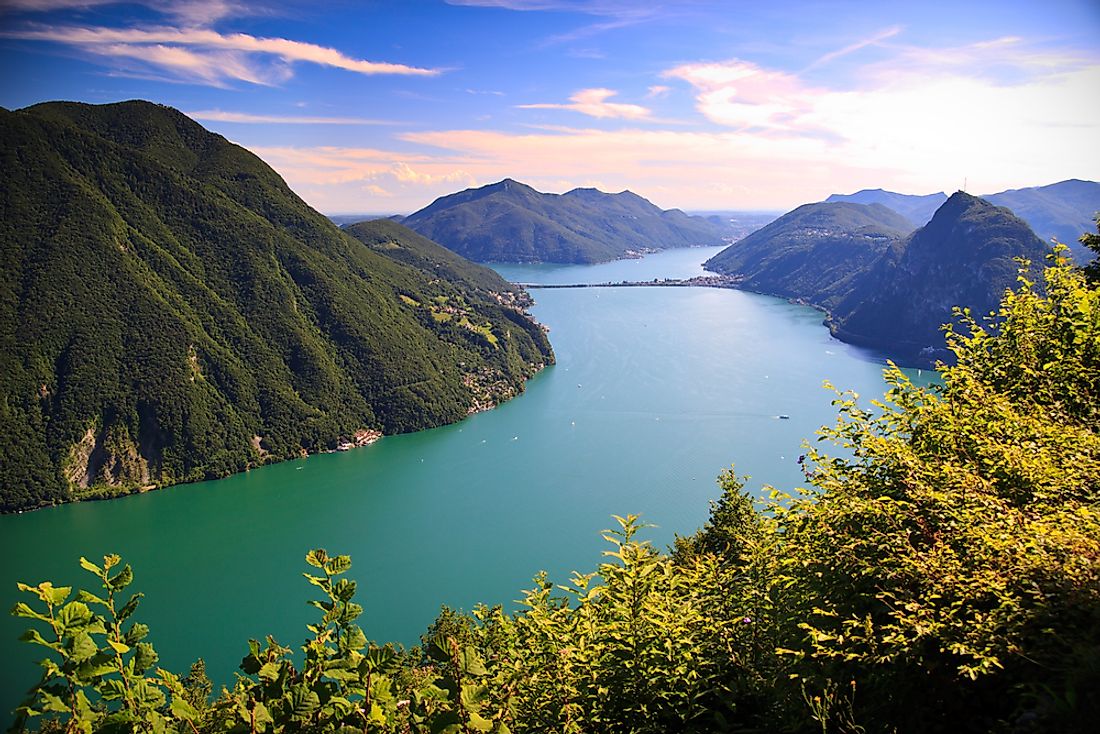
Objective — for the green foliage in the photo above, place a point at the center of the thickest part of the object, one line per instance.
(949, 570)
(98, 673)
(170, 311)
(1091, 240)
(941, 574)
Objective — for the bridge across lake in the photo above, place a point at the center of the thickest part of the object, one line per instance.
(700, 281)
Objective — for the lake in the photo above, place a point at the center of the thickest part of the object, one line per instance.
(655, 391)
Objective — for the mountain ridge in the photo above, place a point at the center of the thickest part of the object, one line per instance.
(1059, 211)
(890, 292)
(509, 221)
(170, 310)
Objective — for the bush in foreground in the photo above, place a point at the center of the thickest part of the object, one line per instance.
(943, 574)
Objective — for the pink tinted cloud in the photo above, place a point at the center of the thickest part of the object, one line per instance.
(594, 103)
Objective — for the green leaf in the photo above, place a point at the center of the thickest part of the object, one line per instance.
(54, 595)
(89, 598)
(89, 566)
(74, 615)
(122, 579)
(344, 589)
(478, 723)
(471, 662)
(119, 647)
(83, 647)
(145, 657)
(269, 672)
(128, 608)
(303, 702)
(474, 695)
(181, 709)
(317, 557)
(34, 636)
(338, 565)
(136, 633)
(22, 609)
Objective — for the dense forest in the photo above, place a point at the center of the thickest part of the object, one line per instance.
(170, 311)
(940, 572)
(509, 221)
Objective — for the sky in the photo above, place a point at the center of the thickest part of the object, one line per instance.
(382, 106)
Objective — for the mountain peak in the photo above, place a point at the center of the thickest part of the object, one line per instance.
(511, 222)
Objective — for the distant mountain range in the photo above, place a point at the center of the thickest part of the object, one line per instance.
(917, 210)
(511, 222)
(1063, 211)
(170, 310)
(880, 287)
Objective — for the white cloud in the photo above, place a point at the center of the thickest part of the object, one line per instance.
(207, 56)
(594, 103)
(994, 111)
(189, 12)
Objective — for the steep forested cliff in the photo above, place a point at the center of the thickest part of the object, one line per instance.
(170, 310)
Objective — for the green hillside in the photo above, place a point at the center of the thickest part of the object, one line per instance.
(965, 256)
(1060, 211)
(511, 222)
(880, 288)
(170, 310)
(815, 252)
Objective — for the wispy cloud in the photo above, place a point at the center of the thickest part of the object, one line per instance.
(614, 14)
(594, 103)
(246, 117)
(190, 12)
(206, 56)
(857, 46)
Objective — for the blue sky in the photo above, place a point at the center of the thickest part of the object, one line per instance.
(383, 106)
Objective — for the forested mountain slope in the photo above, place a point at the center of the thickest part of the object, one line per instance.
(170, 310)
(881, 289)
(816, 252)
(1060, 211)
(511, 222)
(965, 256)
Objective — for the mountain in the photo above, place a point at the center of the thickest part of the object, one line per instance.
(814, 252)
(170, 310)
(1062, 211)
(511, 222)
(963, 257)
(916, 209)
(880, 288)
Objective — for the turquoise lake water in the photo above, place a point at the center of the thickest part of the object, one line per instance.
(655, 391)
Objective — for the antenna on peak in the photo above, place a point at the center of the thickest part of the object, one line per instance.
(964, 183)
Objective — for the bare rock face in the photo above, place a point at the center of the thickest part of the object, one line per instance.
(106, 457)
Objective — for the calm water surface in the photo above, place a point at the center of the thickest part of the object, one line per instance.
(656, 390)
